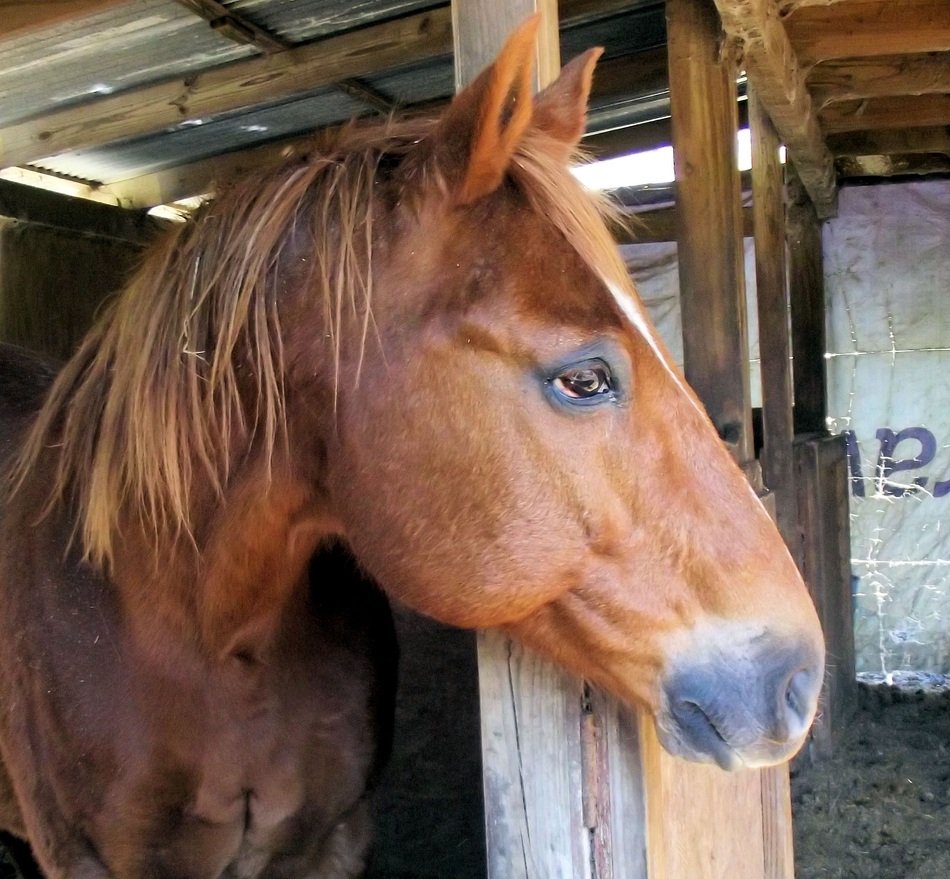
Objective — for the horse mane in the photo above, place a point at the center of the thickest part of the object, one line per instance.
(182, 374)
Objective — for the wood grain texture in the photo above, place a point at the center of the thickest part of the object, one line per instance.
(704, 823)
(229, 87)
(531, 757)
(775, 71)
(822, 477)
(862, 28)
(890, 113)
(884, 76)
(481, 28)
(807, 301)
(703, 99)
(768, 211)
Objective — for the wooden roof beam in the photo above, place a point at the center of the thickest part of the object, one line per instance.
(906, 111)
(862, 28)
(900, 141)
(144, 110)
(879, 77)
(773, 70)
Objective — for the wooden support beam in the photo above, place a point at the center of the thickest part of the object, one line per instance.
(884, 76)
(19, 17)
(241, 84)
(807, 298)
(935, 139)
(863, 28)
(774, 72)
(900, 165)
(530, 711)
(877, 114)
(768, 211)
(703, 99)
(234, 26)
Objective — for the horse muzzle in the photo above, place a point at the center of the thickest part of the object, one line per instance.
(741, 707)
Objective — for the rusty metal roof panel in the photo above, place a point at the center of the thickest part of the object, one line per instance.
(298, 21)
(124, 46)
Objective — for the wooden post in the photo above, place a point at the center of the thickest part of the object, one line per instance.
(737, 824)
(709, 219)
(561, 761)
(768, 213)
(806, 291)
(821, 473)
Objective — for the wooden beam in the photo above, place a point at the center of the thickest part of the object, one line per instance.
(775, 74)
(236, 27)
(241, 84)
(703, 102)
(901, 165)
(884, 76)
(19, 17)
(935, 139)
(863, 28)
(807, 298)
(876, 114)
(768, 211)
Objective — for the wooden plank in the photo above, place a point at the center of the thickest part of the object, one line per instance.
(18, 17)
(822, 477)
(891, 113)
(884, 76)
(531, 757)
(900, 165)
(807, 299)
(234, 26)
(530, 711)
(774, 71)
(481, 28)
(230, 87)
(869, 27)
(704, 823)
(703, 98)
(915, 139)
(41, 207)
(768, 211)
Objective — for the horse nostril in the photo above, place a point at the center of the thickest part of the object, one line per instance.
(798, 702)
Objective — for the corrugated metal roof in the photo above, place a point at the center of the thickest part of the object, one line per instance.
(117, 49)
(150, 40)
(299, 21)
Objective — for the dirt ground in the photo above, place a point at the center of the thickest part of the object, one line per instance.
(880, 808)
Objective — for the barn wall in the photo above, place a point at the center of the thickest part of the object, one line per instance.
(887, 276)
(53, 280)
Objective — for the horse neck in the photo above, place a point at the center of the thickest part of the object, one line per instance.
(228, 592)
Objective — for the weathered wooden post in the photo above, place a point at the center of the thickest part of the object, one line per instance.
(821, 472)
(752, 836)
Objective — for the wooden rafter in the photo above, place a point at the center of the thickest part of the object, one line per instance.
(878, 114)
(919, 139)
(880, 77)
(236, 27)
(239, 85)
(18, 17)
(773, 70)
(641, 72)
(863, 28)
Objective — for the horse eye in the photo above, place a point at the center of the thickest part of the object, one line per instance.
(587, 381)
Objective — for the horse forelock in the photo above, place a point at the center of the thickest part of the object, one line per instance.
(184, 371)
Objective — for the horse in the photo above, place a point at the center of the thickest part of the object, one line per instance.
(415, 340)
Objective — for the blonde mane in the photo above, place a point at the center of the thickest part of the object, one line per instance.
(184, 371)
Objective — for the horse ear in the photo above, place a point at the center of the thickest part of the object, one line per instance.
(561, 109)
(479, 133)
